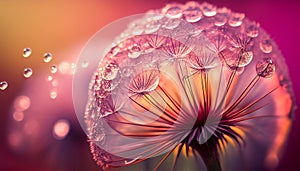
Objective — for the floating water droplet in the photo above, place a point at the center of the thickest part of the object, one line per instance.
(252, 30)
(85, 64)
(192, 14)
(173, 11)
(47, 57)
(3, 85)
(266, 46)
(27, 52)
(236, 19)
(209, 10)
(265, 68)
(49, 78)
(27, 72)
(53, 94)
(53, 69)
(134, 51)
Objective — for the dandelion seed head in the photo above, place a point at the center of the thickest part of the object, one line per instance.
(190, 77)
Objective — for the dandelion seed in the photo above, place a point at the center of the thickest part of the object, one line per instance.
(201, 95)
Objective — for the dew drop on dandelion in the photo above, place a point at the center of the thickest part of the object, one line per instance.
(200, 80)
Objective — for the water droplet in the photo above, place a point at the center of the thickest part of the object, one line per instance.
(111, 72)
(134, 51)
(265, 68)
(126, 71)
(27, 52)
(49, 78)
(246, 58)
(209, 10)
(266, 46)
(152, 27)
(61, 129)
(236, 19)
(3, 85)
(53, 94)
(53, 69)
(47, 57)
(144, 82)
(85, 64)
(27, 72)
(220, 20)
(192, 14)
(173, 11)
(252, 30)
(172, 24)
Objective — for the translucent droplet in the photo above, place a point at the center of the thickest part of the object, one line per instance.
(27, 72)
(144, 82)
(53, 69)
(152, 27)
(47, 57)
(173, 11)
(134, 51)
(3, 85)
(266, 46)
(236, 19)
(220, 20)
(192, 14)
(209, 10)
(172, 24)
(27, 52)
(53, 94)
(85, 64)
(265, 68)
(246, 58)
(111, 72)
(252, 30)
(126, 71)
(49, 78)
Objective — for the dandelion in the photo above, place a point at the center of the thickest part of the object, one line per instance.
(210, 93)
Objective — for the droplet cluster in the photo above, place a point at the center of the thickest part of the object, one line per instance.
(200, 37)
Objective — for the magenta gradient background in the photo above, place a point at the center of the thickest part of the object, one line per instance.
(81, 20)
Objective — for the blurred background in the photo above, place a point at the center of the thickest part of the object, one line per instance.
(38, 126)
